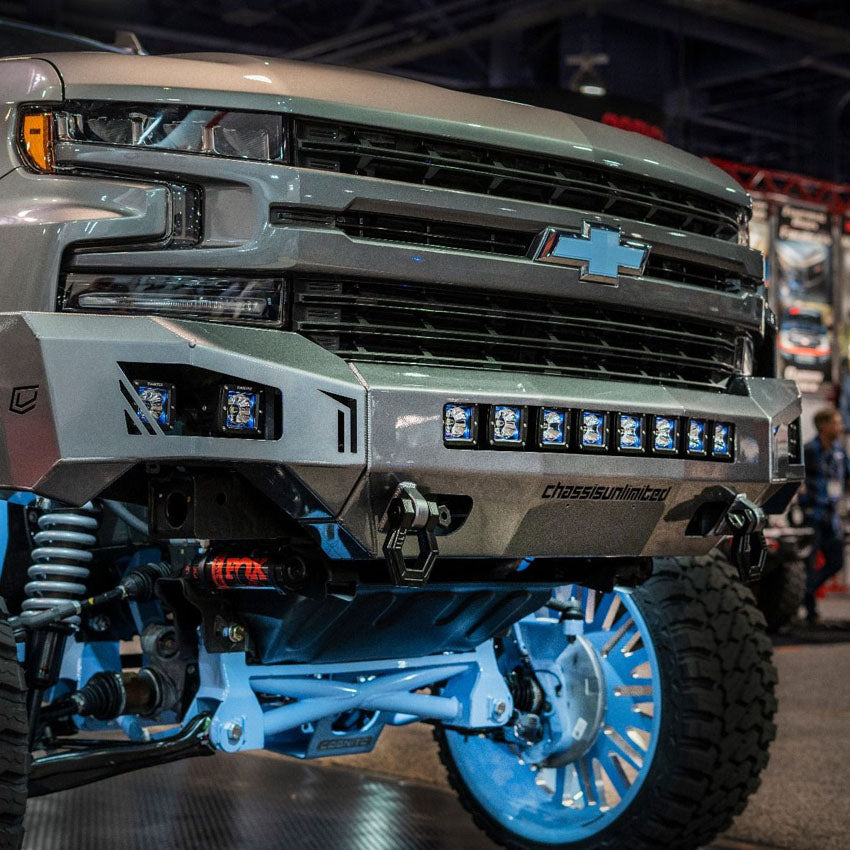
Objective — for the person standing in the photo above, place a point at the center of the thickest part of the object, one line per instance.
(827, 474)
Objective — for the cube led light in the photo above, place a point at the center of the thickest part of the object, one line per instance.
(665, 436)
(721, 446)
(630, 432)
(593, 430)
(158, 399)
(507, 426)
(241, 410)
(697, 437)
(553, 428)
(460, 424)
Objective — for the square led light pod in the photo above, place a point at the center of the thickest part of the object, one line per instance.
(593, 431)
(460, 425)
(553, 428)
(507, 426)
(631, 433)
(722, 439)
(665, 434)
(158, 399)
(240, 410)
(697, 438)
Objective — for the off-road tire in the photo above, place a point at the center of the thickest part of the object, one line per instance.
(718, 703)
(14, 746)
(780, 594)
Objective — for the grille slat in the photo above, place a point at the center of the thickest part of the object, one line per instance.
(468, 167)
(451, 326)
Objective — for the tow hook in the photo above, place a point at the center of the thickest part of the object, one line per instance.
(744, 520)
(409, 511)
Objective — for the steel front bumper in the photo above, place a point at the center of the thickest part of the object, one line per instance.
(350, 433)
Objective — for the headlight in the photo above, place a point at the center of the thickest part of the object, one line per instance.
(253, 300)
(185, 129)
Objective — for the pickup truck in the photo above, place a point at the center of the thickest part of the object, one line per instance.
(357, 402)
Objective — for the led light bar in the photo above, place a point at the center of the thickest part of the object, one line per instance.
(158, 399)
(665, 434)
(507, 426)
(697, 438)
(722, 440)
(559, 428)
(460, 425)
(240, 410)
(631, 434)
(553, 428)
(593, 430)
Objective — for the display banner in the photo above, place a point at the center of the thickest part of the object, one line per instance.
(802, 275)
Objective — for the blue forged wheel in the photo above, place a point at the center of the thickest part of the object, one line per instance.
(654, 722)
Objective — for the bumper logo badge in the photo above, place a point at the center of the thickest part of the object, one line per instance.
(600, 253)
(23, 399)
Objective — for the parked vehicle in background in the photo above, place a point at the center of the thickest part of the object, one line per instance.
(804, 338)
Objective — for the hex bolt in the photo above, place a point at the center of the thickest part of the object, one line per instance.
(233, 730)
(499, 709)
(234, 633)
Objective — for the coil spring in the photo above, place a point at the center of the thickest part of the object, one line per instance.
(61, 556)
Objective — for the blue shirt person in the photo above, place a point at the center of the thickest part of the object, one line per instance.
(827, 474)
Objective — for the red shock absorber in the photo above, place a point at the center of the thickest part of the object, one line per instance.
(226, 571)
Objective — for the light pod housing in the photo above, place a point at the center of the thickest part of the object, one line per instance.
(507, 426)
(665, 435)
(631, 433)
(593, 428)
(158, 400)
(460, 425)
(241, 410)
(553, 428)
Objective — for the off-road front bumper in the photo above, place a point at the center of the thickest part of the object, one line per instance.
(347, 434)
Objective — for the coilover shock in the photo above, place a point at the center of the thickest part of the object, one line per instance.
(59, 572)
(61, 556)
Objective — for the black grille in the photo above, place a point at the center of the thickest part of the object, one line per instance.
(410, 323)
(409, 158)
(514, 243)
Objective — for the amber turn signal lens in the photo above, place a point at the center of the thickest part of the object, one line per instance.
(38, 140)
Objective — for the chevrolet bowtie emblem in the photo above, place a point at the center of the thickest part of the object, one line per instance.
(600, 253)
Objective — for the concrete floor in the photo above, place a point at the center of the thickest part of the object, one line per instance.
(396, 798)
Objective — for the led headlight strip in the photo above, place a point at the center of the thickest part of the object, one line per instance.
(585, 430)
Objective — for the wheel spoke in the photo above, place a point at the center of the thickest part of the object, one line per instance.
(585, 781)
(623, 629)
(623, 748)
(617, 776)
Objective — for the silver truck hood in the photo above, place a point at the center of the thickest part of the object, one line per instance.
(344, 94)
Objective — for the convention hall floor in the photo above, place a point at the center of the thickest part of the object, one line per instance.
(396, 798)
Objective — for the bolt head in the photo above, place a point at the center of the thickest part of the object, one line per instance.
(234, 632)
(233, 729)
(499, 709)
